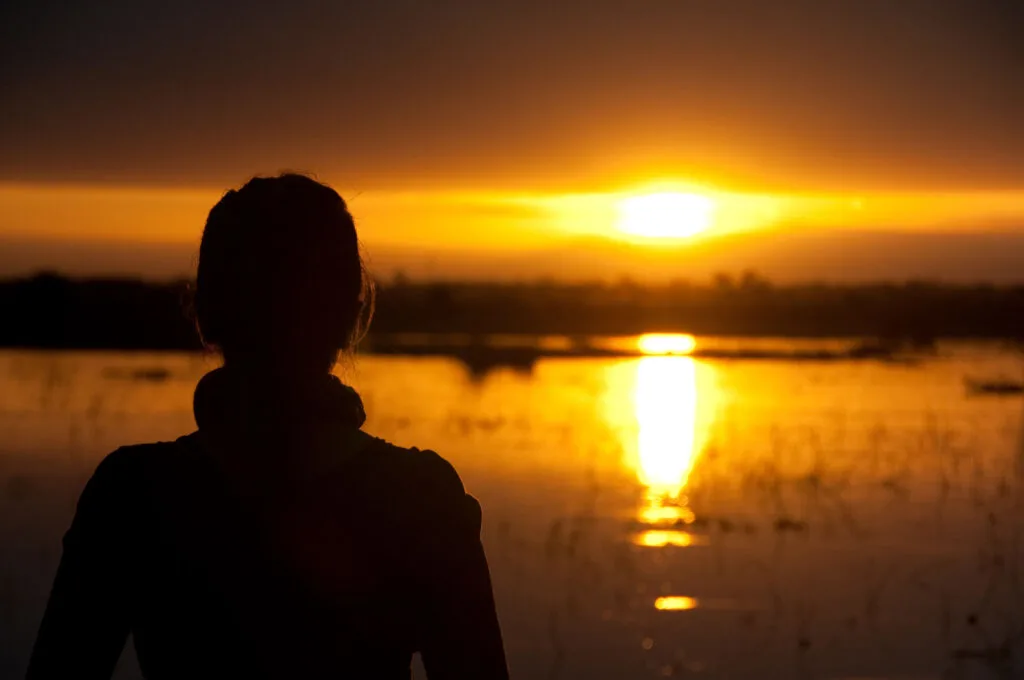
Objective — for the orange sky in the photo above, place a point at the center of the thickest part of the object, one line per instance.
(493, 138)
(473, 218)
(438, 233)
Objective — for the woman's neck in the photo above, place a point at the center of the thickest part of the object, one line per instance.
(291, 373)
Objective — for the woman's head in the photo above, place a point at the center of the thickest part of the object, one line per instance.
(280, 283)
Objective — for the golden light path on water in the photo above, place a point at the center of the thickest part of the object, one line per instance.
(666, 343)
(675, 603)
(674, 398)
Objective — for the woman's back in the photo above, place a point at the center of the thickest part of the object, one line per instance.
(278, 540)
(347, 563)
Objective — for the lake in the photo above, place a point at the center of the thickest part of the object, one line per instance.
(647, 517)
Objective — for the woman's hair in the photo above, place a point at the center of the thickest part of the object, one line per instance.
(280, 282)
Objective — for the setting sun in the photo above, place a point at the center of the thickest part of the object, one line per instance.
(665, 215)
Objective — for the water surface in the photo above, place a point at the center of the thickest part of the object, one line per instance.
(648, 517)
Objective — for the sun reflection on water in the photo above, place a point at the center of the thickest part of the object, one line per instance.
(659, 538)
(666, 343)
(665, 401)
(676, 603)
(673, 402)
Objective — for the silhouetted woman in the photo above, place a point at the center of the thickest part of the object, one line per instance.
(279, 540)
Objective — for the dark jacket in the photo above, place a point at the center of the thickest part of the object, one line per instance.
(340, 561)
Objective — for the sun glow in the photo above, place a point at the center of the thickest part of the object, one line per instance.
(665, 215)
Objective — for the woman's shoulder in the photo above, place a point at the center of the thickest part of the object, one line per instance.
(137, 458)
(129, 466)
(426, 478)
(120, 488)
(424, 464)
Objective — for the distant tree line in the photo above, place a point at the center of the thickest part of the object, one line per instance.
(52, 311)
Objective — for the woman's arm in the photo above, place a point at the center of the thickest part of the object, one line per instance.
(87, 618)
(460, 634)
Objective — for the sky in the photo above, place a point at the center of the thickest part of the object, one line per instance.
(499, 139)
